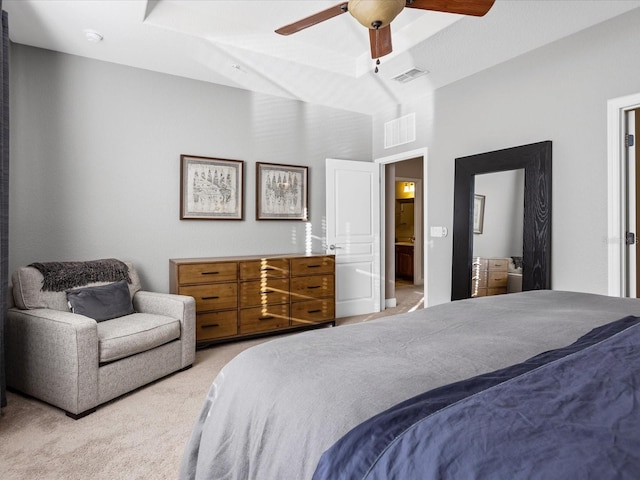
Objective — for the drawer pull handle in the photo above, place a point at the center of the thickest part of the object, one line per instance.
(265, 269)
(210, 273)
(313, 266)
(266, 292)
(314, 311)
(211, 325)
(268, 317)
(210, 298)
(314, 286)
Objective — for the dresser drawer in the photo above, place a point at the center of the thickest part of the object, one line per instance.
(496, 291)
(216, 325)
(264, 292)
(262, 319)
(264, 268)
(479, 292)
(314, 286)
(312, 265)
(497, 279)
(313, 311)
(498, 264)
(479, 279)
(207, 273)
(213, 297)
(479, 263)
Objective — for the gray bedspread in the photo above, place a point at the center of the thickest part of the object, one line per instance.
(275, 408)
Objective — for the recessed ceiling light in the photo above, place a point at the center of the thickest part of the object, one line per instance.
(93, 36)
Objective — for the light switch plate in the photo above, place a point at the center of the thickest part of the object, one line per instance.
(439, 231)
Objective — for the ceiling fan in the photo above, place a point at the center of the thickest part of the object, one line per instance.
(377, 16)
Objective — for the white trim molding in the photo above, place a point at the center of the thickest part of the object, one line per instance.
(617, 206)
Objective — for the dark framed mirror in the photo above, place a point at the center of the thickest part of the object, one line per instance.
(535, 159)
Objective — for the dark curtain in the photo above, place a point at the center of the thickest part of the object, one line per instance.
(4, 196)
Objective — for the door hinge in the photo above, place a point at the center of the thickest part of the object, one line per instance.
(629, 140)
(630, 238)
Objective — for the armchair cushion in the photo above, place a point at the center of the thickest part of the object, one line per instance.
(125, 336)
(103, 302)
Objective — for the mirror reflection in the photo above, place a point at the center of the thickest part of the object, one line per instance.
(405, 230)
(498, 219)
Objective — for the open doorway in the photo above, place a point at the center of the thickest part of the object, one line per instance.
(621, 250)
(404, 247)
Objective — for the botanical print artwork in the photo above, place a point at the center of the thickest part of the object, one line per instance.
(212, 189)
(281, 192)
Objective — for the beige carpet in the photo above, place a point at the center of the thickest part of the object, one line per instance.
(139, 436)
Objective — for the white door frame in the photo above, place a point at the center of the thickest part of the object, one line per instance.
(617, 206)
(399, 157)
(630, 266)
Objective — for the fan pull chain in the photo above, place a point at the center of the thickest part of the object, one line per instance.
(376, 26)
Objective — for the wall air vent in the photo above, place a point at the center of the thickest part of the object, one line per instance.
(410, 74)
(400, 131)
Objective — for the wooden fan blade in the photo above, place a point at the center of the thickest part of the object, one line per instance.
(380, 41)
(313, 19)
(477, 8)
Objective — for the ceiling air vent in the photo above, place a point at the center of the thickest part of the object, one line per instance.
(400, 131)
(410, 74)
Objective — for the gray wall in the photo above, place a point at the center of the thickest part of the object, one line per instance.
(558, 93)
(95, 171)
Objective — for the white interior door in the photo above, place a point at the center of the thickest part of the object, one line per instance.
(353, 234)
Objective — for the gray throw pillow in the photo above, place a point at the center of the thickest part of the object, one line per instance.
(103, 302)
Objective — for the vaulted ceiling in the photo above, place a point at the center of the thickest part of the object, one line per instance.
(233, 43)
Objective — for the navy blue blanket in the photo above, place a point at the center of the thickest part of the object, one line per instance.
(571, 413)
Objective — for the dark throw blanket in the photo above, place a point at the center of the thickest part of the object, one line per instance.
(60, 276)
(571, 413)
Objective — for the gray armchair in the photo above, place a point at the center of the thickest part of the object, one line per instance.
(77, 363)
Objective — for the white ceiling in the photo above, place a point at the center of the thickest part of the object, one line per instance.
(232, 42)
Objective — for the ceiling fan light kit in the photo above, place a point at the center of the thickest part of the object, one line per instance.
(375, 14)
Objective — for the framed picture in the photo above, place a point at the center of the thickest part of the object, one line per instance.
(211, 188)
(282, 192)
(478, 213)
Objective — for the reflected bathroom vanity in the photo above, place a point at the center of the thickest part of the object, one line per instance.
(405, 230)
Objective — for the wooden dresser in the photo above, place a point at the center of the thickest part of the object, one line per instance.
(489, 276)
(238, 297)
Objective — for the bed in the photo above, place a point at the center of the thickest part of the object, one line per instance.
(288, 408)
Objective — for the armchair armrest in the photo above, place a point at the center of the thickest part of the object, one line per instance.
(53, 355)
(181, 307)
